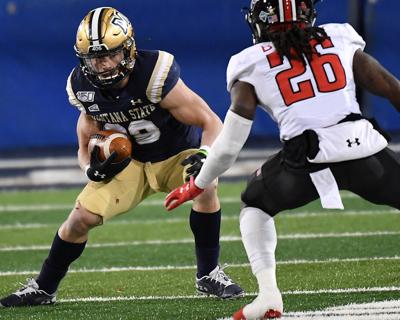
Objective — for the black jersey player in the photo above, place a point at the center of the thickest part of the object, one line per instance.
(141, 94)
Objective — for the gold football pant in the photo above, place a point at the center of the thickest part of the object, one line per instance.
(134, 184)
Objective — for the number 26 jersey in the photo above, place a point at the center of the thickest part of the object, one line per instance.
(297, 96)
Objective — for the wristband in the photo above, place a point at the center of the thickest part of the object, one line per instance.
(86, 170)
(204, 149)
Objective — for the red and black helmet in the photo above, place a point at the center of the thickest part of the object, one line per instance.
(267, 16)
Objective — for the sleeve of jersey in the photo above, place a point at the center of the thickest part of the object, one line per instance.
(165, 75)
(353, 38)
(225, 149)
(71, 94)
(238, 70)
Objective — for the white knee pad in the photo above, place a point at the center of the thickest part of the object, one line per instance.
(259, 239)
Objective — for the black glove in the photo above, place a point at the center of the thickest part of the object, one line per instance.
(99, 171)
(196, 162)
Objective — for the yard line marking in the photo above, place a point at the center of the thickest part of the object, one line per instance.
(292, 236)
(192, 267)
(34, 207)
(306, 292)
(337, 235)
(69, 206)
(286, 215)
(26, 226)
(383, 310)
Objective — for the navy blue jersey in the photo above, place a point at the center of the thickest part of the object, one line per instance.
(155, 134)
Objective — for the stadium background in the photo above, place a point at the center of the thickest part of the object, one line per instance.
(36, 49)
(141, 265)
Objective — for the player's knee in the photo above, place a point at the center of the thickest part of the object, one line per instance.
(207, 201)
(256, 195)
(80, 221)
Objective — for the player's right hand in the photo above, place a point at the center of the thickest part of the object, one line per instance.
(102, 170)
(186, 192)
(195, 162)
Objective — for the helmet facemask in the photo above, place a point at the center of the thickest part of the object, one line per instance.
(110, 77)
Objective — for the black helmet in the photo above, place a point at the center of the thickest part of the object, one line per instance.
(267, 16)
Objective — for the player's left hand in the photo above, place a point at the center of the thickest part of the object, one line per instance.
(196, 162)
(180, 195)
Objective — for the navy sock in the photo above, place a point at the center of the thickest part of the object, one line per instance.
(205, 228)
(54, 268)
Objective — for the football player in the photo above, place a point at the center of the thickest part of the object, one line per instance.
(139, 93)
(304, 77)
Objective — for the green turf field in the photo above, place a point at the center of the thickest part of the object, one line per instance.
(141, 265)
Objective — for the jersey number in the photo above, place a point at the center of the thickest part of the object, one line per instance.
(327, 69)
(143, 131)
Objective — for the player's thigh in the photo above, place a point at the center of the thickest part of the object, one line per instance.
(274, 187)
(375, 178)
(170, 172)
(120, 194)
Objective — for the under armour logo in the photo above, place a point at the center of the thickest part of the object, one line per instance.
(97, 174)
(134, 102)
(350, 143)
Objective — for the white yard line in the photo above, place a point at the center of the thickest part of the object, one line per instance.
(380, 310)
(167, 219)
(292, 236)
(192, 267)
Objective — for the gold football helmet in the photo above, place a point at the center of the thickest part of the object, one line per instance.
(105, 33)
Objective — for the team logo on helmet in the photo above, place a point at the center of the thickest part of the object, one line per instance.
(120, 21)
(263, 16)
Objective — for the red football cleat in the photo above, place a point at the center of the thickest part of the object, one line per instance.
(270, 314)
(238, 315)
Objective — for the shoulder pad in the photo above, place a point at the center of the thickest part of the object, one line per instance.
(71, 94)
(165, 75)
(345, 31)
(241, 66)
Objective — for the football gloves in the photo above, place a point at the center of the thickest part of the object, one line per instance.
(195, 161)
(99, 171)
(186, 192)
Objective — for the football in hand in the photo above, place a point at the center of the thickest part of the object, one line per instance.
(109, 141)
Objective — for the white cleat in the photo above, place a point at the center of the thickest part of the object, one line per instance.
(267, 305)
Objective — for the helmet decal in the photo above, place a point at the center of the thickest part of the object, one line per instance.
(95, 27)
(287, 10)
(121, 21)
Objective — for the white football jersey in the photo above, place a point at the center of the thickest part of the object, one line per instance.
(300, 97)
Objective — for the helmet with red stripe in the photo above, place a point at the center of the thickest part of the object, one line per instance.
(267, 16)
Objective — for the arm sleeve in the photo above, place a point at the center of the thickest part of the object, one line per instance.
(225, 148)
(165, 75)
